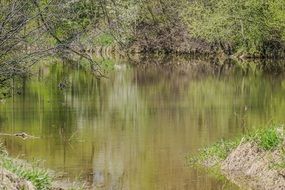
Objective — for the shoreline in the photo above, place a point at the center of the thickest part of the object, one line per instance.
(255, 161)
(20, 174)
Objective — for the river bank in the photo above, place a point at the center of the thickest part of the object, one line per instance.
(18, 174)
(254, 161)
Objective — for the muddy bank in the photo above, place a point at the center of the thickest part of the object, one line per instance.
(250, 167)
(17, 174)
(11, 181)
(255, 161)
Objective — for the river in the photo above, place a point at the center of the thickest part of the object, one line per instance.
(134, 129)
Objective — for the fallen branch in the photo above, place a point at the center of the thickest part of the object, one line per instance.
(23, 135)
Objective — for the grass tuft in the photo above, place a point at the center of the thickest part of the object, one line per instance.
(269, 138)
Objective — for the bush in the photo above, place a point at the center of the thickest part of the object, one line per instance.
(250, 26)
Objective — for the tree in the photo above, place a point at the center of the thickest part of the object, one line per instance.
(250, 26)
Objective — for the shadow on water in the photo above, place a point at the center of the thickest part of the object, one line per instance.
(134, 129)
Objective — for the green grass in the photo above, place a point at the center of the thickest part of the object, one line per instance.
(40, 178)
(218, 151)
(267, 139)
(104, 40)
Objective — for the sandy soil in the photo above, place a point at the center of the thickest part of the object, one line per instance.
(253, 168)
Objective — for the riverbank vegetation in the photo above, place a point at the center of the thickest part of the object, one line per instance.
(250, 27)
(254, 160)
(33, 29)
(18, 174)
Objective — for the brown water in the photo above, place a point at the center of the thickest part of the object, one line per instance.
(133, 130)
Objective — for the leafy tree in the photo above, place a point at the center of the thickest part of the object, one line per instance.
(251, 26)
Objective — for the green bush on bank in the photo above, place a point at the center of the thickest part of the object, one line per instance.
(249, 26)
(243, 27)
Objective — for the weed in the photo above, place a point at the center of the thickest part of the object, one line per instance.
(40, 178)
(218, 151)
(269, 138)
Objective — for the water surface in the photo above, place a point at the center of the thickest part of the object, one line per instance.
(133, 130)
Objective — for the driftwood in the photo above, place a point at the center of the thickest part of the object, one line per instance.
(22, 135)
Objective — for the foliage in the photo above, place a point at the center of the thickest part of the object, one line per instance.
(268, 138)
(252, 26)
(69, 19)
(30, 30)
(104, 39)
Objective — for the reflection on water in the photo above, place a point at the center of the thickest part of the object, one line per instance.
(133, 130)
